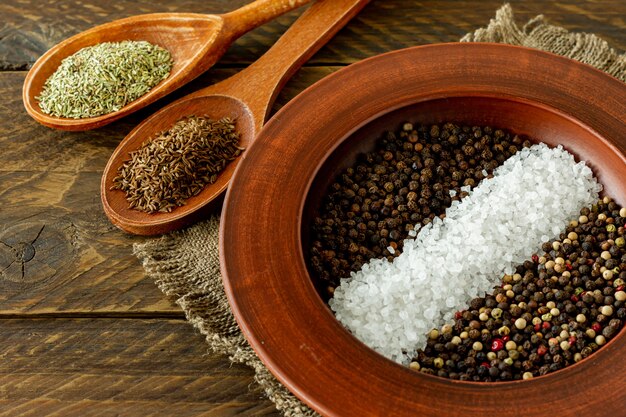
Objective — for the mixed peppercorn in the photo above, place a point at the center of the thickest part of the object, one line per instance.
(404, 181)
(557, 309)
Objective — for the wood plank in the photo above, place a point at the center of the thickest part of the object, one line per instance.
(58, 251)
(28, 146)
(88, 367)
(30, 27)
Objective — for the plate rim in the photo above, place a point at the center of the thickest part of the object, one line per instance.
(273, 137)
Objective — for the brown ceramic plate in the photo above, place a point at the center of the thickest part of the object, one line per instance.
(277, 188)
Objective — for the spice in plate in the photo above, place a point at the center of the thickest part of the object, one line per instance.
(558, 307)
(103, 78)
(390, 306)
(177, 164)
(411, 177)
(548, 311)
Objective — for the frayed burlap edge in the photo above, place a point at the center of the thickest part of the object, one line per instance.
(537, 33)
(185, 264)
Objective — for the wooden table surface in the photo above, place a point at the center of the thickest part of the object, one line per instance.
(84, 331)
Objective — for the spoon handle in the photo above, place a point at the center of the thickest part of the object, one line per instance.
(255, 14)
(259, 84)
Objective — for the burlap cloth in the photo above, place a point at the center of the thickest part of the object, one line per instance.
(185, 264)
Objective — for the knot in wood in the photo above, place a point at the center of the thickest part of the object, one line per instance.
(24, 251)
(33, 252)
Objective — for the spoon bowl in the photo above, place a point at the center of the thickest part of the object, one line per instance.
(214, 107)
(195, 41)
(245, 97)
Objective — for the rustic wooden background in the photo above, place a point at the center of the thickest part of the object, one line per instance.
(83, 331)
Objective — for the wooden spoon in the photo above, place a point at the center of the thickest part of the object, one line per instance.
(196, 42)
(246, 97)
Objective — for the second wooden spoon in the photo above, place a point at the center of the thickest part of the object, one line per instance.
(246, 97)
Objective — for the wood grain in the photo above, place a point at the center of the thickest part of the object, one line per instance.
(28, 146)
(382, 26)
(88, 367)
(51, 179)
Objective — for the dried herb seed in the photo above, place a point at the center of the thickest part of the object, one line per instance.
(177, 164)
(103, 78)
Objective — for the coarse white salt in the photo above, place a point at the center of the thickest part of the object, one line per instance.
(390, 306)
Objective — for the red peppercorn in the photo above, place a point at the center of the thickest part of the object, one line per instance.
(458, 315)
(572, 340)
(497, 345)
(537, 327)
(574, 298)
(535, 258)
(505, 338)
(596, 327)
(569, 267)
(620, 288)
(545, 325)
(485, 364)
(542, 350)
